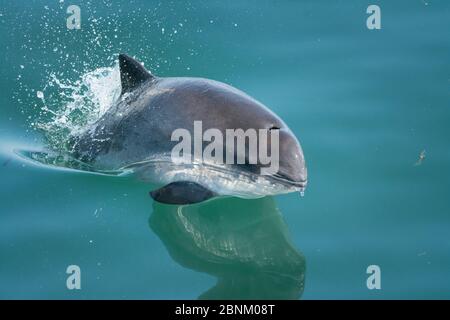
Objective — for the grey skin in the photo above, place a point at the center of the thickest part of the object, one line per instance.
(139, 126)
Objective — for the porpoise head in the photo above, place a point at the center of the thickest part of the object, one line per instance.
(292, 166)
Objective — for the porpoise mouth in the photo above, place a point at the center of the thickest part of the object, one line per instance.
(285, 179)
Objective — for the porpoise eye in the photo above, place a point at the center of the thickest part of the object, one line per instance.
(274, 128)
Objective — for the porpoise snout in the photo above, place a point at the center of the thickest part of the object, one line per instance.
(292, 166)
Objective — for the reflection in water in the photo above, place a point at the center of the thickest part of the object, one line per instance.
(244, 243)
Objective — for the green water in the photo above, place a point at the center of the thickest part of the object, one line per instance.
(364, 104)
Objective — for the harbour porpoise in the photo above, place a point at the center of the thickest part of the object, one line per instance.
(136, 134)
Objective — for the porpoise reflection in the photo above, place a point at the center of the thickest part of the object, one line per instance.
(244, 243)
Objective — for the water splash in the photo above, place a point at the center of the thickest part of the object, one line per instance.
(68, 107)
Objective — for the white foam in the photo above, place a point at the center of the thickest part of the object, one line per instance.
(71, 106)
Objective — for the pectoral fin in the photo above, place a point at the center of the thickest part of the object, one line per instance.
(182, 192)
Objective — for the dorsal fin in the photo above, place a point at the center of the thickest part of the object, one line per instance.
(132, 73)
